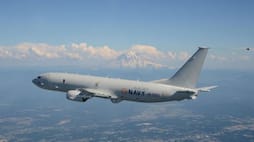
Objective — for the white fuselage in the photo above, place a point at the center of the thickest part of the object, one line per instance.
(123, 89)
(182, 85)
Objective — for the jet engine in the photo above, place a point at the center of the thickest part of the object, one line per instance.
(116, 101)
(76, 95)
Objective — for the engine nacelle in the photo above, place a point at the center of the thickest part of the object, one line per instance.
(76, 95)
(115, 100)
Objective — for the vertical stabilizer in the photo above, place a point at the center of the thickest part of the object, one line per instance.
(188, 74)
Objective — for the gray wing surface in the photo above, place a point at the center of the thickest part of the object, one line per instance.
(99, 93)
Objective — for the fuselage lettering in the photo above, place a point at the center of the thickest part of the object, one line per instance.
(136, 92)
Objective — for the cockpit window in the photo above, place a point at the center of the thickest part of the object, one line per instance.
(39, 77)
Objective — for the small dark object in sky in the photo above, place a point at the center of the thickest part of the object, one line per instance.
(248, 49)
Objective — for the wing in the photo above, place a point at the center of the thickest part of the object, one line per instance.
(102, 94)
(99, 93)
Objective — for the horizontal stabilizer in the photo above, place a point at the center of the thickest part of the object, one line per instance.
(206, 89)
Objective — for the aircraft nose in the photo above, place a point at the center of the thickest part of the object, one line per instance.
(38, 82)
(35, 81)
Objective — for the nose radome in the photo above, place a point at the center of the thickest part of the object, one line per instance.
(35, 81)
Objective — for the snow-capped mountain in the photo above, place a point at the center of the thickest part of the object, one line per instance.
(133, 60)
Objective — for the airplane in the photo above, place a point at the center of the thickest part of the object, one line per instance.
(181, 86)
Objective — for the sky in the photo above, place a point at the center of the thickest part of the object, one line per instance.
(171, 27)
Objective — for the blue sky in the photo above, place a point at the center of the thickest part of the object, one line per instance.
(178, 25)
(120, 24)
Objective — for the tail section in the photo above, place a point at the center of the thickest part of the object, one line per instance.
(187, 76)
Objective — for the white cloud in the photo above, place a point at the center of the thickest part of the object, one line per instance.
(103, 56)
(104, 51)
(146, 50)
(75, 56)
(217, 57)
(62, 122)
(183, 56)
(40, 50)
(144, 55)
(5, 53)
(171, 55)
